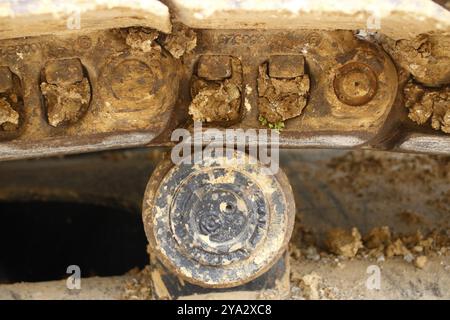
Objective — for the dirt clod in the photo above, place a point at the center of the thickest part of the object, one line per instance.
(217, 100)
(66, 104)
(9, 102)
(343, 242)
(396, 248)
(142, 39)
(426, 57)
(139, 287)
(182, 40)
(309, 285)
(420, 262)
(281, 99)
(378, 237)
(8, 116)
(425, 103)
(67, 94)
(295, 252)
(312, 254)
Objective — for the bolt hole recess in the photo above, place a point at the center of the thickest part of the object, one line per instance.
(227, 207)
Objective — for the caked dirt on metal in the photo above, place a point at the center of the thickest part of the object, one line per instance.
(427, 59)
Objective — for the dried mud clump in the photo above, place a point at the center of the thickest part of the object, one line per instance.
(9, 118)
(426, 103)
(142, 39)
(378, 243)
(281, 99)
(412, 247)
(139, 286)
(397, 248)
(182, 40)
(426, 57)
(309, 285)
(217, 100)
(343, 242)
(9, 100)
(378, 237)
(420, 262)
(66, 102)
(66, 91)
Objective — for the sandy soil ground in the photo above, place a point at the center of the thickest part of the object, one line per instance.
(359, 214)
(360, 209)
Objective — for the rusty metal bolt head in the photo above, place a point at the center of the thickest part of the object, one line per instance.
(6, 82)
(218, 225)
(214, 67)
(133, 80)
(63, 71)
(355, 84)
(286, 66)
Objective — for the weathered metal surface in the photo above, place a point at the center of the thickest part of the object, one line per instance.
(90, 92)
(27, 18)
(355, 84)
(134, 86)
(219, 223)
(214, 67)
(272, 284)
(400, 19)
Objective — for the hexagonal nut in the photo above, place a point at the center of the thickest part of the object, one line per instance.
(6, 82)
(63, 71)
(214, 67)
(286, 66)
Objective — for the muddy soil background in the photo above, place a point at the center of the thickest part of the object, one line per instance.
(363, 208)
(355, 209)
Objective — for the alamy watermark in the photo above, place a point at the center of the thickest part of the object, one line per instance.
(373, 282)
(73, 22)
(373, 22)
(73, 282)
(230, 145)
